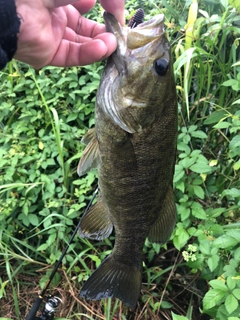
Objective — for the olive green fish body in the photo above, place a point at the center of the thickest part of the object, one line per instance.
(133, 145)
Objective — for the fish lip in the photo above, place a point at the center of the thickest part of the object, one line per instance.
(113, 26)
(129, 38)
(151, 23)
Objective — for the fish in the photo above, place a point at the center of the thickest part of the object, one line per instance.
(133, 147)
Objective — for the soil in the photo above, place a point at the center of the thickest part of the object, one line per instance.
(177, 287)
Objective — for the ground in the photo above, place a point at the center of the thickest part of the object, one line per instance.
(178, 287)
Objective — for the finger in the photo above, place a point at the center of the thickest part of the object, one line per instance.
(115, 7)
(82, 6)
(82, 25)
(71, 35)
(80, 54)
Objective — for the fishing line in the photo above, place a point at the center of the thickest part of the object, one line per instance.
(52, 302)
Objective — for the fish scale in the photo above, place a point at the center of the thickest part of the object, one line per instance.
(133, 146)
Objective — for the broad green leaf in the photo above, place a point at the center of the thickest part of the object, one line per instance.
(231, 283)
(197, 211)
(222, 313)
(199, 134)
(215, 117)
(43, 247)
(218, 285)
(177, 317)
(71, 117)
(213, 262)
(222, 125)
(201, 167)
(230, 268)
(216, 230)
(234, 233)
(237, 254)
(214, 213)
(178, 174)
(51, 238)
(183, 212)
(198, 192)
(225, 241)
(166, 305)
(231, 303)
(235, 142)
(33, 219)
(204, 247)
(183, 147)
(192, 128)
(229, 83)
(234, 193)
(213, 298)
(234, 152)
(236, 293)
(187, 162)
(180, 185)
(181, 239)
(237, 101)
(22, 217)
(77, 182)
(236, 165)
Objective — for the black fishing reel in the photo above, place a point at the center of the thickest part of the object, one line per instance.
(49, 308)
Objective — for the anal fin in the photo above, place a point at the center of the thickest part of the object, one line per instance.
(162, 228)
(95, 224)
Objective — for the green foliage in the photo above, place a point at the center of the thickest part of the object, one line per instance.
(207, 170)
(223, 298)
(44, 114)
(177, 317)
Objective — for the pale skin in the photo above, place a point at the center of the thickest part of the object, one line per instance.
(54, 32)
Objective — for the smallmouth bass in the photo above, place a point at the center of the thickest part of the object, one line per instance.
(133, 146)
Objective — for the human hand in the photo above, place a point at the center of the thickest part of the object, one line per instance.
(115, 7)
(53, 32)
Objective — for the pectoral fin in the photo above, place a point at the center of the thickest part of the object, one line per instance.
(88, 136)
(95, 224)
(90, 157)
(162, 228)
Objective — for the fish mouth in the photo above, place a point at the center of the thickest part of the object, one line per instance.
(145, 32)
(136, 37)
(152, 23)
(112, 25)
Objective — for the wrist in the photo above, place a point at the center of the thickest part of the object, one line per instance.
(9, 29)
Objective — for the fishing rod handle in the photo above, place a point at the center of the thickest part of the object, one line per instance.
(34, 309)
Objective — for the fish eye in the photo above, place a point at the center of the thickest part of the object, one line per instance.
(161, 66)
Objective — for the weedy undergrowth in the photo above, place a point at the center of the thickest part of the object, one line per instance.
(44, 114)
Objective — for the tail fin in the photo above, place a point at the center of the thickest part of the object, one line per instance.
(114, 279)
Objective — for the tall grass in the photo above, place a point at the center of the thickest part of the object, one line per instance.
(44, 114)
